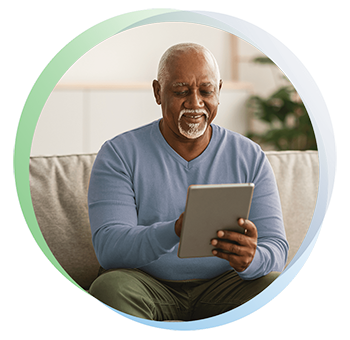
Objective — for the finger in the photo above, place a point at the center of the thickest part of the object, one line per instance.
(226, 256)
(233, 236)
(178, 225)
(228, 247)
(249, 227)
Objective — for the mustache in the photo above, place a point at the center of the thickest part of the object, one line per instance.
(186, 111)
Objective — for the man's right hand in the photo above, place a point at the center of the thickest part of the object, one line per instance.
(178, 225)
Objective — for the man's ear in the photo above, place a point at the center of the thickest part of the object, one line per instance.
(156, 91)
(220, 86)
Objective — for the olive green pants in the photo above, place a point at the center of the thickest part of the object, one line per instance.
(137, 293)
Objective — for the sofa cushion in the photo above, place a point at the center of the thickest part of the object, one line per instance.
(59, 194)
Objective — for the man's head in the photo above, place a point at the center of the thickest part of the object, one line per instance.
(188, 89)
(176, 51)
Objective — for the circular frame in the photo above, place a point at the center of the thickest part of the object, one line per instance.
(271, 47)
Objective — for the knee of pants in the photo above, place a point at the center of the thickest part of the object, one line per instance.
(269, 278)
(250, 289)
(125, 291)
(258, 285)
(114, 286)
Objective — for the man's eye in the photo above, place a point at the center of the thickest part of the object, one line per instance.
(181, 93)
(207, 93)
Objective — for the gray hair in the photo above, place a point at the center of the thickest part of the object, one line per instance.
(179, 49)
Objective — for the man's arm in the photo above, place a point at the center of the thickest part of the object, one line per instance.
(263, 247)
(119, 241)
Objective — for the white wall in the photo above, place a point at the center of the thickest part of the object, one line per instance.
(79, 116)
(133, 55)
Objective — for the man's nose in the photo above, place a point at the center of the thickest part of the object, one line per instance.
(194, 101)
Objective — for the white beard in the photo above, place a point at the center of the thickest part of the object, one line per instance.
(195, 130)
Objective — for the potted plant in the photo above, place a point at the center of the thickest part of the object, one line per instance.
(287, 124)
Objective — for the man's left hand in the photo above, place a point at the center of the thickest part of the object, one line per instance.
(240, 254)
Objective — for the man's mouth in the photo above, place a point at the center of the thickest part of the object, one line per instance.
(193, 114)
(193, 117)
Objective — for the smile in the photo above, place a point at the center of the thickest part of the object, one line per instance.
(193, 117)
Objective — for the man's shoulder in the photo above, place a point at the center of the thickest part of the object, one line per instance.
(128, 142)
(134, 134)
(235, 139)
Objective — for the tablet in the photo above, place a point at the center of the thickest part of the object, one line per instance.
(210, 208)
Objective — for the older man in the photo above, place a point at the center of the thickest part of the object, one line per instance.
(137, 196)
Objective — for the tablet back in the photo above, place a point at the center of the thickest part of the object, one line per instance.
(210, 208)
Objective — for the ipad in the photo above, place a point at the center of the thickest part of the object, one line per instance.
(210, 208)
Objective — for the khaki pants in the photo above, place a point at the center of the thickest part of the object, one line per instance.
(137, 293)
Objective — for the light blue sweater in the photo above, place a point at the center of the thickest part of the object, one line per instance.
(138, 190)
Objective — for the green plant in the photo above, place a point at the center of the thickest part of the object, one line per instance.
(288, 126)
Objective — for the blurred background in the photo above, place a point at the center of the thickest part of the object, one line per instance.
(109, 91)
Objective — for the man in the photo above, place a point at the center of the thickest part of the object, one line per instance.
(137, 196)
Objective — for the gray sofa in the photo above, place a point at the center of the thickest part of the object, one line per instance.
(59, 187)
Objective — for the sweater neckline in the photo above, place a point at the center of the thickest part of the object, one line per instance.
(187, 164)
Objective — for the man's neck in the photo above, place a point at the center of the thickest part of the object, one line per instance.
(188, 149)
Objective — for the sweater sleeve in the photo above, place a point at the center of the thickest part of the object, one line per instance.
(266, 214)
(118, 240)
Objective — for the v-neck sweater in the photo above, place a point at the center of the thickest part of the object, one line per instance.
(138, 189)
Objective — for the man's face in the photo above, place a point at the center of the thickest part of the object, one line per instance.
(189, 97)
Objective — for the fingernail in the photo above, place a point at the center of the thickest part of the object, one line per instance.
(214, 242)
(214, 252)
(221, 233)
